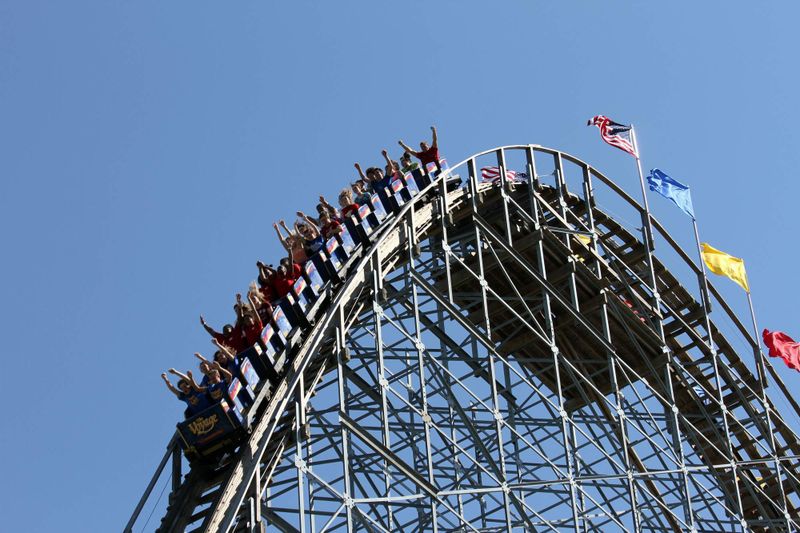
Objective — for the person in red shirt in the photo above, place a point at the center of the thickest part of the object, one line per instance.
(260, 299)
(264, 289)
(251, 323)
(329, 226)
(346, 203)
(427, 154)
(286, 275)
(231, 336)
(251, 328)
(324, 207)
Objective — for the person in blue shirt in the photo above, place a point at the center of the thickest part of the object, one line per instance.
(379, 180)
(218, 380)
(360, 194)
(187, 391)
(312, 238)
(374, 177)
(205, 368)
(227, 360)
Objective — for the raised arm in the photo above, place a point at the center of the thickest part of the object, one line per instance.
(280, 236)
(435, 140)
(308, 221)
(390, 163)
(256, 306)
(360, 172)
(238, 306)
(226, 376)
(331, 210)
(407, 148)
(200, 356)
(180, 375)
(254, 296)
(264, 271)
(223, 348)
(169, 385)
(256, 316)
(252, 300)
(208, 328)
(193, 383)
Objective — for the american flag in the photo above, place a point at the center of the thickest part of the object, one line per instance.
(493, 174)
(614, 134)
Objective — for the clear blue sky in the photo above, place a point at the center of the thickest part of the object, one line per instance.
(148, 146)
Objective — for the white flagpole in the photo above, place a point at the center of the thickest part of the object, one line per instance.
(648, 228)
(703, 283)
(758, 353)
(650, 244)
(706, 305)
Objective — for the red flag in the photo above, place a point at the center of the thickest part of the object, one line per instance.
(782, 345)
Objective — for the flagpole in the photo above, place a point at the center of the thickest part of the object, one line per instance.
(650, 244)
(759, 355)
(762, 381)
(705, 298)
(703, 283)
(648, 228)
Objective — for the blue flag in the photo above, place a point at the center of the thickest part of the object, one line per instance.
(671, 189)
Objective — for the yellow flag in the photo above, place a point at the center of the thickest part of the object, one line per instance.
(725, 265)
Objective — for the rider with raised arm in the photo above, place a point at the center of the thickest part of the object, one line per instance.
(188, 391)
(360, 194)
(285, 276)
(261, 299)
(427, 154)
(218, 379)
(368, 178)
(312, 236)
(292, 241)
(406, 164)
(252, 323)
(349, 207)
(329, 226)
(230, 336)
(392, 168)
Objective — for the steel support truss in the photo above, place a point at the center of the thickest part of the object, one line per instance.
(510, 357)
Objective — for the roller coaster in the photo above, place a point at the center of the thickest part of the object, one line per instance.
(506, 355)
